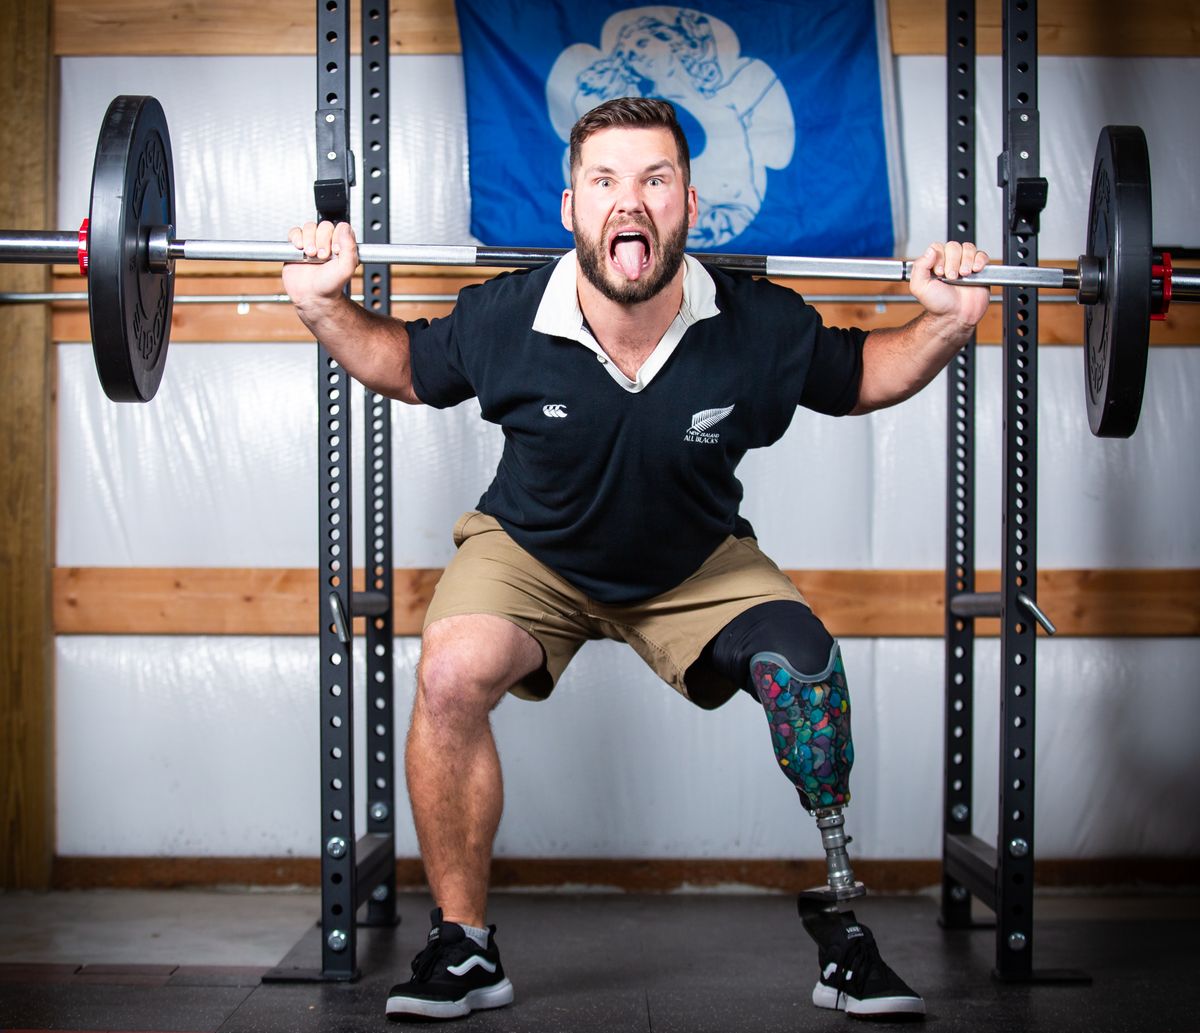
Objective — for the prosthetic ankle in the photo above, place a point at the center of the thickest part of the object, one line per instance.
(809, 718)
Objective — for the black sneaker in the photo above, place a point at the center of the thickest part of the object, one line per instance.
(452, 976)
(854, 978)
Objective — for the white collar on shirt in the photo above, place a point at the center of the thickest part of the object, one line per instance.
(559, 315)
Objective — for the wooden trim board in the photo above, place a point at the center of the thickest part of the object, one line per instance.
(649, 875)
(187, 27)
(853, 603)
(1059, 323)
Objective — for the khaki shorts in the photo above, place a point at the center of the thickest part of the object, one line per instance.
(492, 574)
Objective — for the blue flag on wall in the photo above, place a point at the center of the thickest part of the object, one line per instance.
(781, 102)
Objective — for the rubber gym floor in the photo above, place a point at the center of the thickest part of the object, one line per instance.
(193, 961)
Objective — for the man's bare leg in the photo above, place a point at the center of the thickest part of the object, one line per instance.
(467, 665)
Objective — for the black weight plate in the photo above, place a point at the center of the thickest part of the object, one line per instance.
(133, 189)
(1116, 330)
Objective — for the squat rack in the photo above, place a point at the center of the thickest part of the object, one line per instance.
(360, 872)
(355, 872)
(999, 874)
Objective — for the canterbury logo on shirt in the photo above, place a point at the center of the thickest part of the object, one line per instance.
(556, 411)
(702, 424)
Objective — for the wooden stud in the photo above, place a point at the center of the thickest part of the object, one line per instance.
(26, 546)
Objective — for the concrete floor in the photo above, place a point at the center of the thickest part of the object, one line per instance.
(192, 961)
(131, 927)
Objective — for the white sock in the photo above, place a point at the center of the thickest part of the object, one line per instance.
(480, 936)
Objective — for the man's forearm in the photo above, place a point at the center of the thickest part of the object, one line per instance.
(899, 361)
(373, 349)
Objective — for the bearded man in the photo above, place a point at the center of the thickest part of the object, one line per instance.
(629, 380)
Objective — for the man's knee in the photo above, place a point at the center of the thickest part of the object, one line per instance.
(784, 657)
(469, 662)
(788, 628)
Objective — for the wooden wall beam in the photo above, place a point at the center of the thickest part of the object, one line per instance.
(26, 451)
(92, 27)
(216, 27)
(1115, 28)
(618, 874)
(853, 603)
(1058, 322)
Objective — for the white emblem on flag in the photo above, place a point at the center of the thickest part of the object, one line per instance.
(695, 61)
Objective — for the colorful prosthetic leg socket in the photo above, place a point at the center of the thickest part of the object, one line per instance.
(809, 717)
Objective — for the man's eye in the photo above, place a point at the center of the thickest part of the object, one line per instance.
(656, 181)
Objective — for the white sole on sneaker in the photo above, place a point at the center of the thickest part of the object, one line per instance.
(485, 997)
(827, 997)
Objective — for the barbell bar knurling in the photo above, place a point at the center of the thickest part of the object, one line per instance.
(61, 247)
(34, 246)
(895, 270)
(30, 247)
(1185, 285)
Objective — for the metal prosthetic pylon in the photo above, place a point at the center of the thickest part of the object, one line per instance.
(840, 885)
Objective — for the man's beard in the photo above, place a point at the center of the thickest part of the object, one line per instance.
(593, 260)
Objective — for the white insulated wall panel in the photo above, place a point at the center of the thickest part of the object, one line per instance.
(242, 131)
(208, 745)
(220, 470)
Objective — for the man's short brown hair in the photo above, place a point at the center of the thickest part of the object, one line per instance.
(631, 113)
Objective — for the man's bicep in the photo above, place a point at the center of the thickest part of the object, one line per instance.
(438, 373)
(835, 371)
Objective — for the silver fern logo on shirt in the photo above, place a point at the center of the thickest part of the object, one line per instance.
(702, 423)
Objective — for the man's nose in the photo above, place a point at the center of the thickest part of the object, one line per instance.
(629, 195)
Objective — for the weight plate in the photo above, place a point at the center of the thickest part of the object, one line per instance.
(1116, 330)
(133, 189)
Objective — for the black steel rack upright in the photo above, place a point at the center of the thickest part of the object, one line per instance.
(376, 601)
(1000, 874)
(356, 873)
(960, 466)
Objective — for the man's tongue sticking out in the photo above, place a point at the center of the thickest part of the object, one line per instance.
(630, 255)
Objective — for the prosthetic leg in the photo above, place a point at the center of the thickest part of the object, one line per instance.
(809, 717)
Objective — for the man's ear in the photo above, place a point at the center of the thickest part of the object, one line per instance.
(567, 210)
(693, 206)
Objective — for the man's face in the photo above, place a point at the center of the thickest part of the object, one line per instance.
(630, 212)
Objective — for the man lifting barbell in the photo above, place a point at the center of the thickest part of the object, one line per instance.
(127, 248)
(629, 381)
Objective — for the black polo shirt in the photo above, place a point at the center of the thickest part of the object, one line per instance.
(625, 489)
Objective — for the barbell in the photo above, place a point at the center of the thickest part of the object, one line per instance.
(127, 249)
